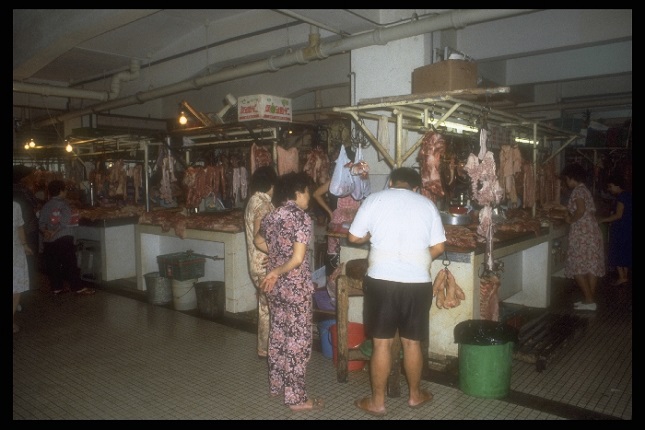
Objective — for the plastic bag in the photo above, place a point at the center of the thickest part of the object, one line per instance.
(342, 183)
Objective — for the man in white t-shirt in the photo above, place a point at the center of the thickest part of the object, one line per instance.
(405, 232)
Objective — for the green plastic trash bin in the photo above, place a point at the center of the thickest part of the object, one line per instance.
(485, 357)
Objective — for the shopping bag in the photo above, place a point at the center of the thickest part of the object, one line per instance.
(342, 183)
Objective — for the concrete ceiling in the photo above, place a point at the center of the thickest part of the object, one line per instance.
(77, 48)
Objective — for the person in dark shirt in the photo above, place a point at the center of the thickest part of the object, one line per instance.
(620, 231)
(56, 224)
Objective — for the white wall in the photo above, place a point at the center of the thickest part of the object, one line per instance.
(383, 71)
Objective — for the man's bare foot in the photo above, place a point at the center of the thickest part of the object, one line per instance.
(426, 396)
(365, 404)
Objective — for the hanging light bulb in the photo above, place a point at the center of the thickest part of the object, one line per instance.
(68, 148)
(182, 119)
(32, 144)
(26, 146)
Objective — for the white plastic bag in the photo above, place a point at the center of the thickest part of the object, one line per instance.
(342, 183)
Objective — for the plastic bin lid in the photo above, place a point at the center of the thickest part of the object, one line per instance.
(484, 332)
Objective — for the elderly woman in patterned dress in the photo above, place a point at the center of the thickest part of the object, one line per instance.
(284, 235)
(585, 260)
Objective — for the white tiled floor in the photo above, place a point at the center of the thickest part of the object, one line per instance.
(108, 357)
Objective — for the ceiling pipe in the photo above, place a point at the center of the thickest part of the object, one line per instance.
(115, 88)
(455, 19)
(52, 90)
(311, 21)
(564, 105)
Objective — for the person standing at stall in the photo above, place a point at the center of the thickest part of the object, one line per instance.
(620, 231)
(30, 206)
(21, 248)
(405, 232)
(284, 235)
(261, 188)
(57, 225)
(585, 260)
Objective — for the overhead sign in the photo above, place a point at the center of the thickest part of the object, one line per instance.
(262, 106)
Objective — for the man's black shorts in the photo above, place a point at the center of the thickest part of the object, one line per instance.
(388, 305)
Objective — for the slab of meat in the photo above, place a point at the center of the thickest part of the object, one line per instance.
(260, 157)
(318, 166)
(287, 160)
(485, 186)
(433, 146)
(489, 285)
(510, 160)
(460, 236)
(231, 221)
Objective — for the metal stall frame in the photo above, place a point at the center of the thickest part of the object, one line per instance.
(423, 112)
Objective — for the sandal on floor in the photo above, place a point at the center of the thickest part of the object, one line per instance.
(316, 405)
(86, 291)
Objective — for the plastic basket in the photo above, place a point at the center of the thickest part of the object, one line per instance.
(181, 266)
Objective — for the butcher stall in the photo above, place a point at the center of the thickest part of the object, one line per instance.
(493, 177)
(143, 195)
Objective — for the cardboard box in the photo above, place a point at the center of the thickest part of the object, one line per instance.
(262, 106)
(444, 76)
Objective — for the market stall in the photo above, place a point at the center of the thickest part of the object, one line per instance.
(529, 262)
(228, 243)
(520, 254)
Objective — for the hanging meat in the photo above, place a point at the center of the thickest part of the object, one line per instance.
(448, 294)
(489, 285)
(287, 160)
(317, 165)
(433, 146)
(510, 160)
(260, 157)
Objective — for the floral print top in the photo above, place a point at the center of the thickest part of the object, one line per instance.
(281, 228)
(585, 252)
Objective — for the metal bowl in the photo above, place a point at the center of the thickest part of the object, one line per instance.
(454, 219)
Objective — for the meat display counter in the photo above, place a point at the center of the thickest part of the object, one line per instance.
(212, 234)
(529, 262)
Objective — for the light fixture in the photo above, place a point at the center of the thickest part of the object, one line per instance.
(457, 126)
(182, 118)
(524, 140)
(68, 148)
(32, 144)
(26, 146)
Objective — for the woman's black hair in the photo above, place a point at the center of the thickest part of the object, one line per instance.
(616, 179)
(574, 171)
(288, 184)
(55, 187)
(407, 175)
(263, 179)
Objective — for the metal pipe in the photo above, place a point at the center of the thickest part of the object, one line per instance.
(54, 91)
(455, 19)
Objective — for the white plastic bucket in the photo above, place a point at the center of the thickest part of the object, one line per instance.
(184, 297)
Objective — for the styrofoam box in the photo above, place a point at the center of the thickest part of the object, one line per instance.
(262, 106)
